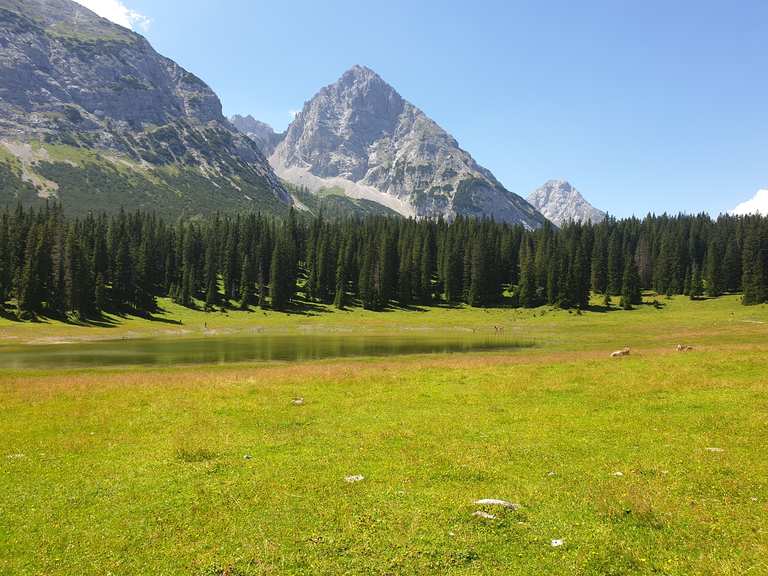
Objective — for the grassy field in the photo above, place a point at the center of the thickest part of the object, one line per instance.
(652, 464)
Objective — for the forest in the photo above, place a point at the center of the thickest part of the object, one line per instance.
(59, 266)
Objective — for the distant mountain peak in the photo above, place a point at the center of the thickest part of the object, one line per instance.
(359, 135)
(260, 132)
(561, 203)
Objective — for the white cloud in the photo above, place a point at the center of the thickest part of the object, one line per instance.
(118, 13)
(757, 205)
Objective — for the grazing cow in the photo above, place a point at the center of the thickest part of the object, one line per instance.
(620, 353)
(684, 348)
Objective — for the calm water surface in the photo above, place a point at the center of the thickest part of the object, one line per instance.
(222, 350)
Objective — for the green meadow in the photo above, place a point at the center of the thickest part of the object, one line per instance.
(650, 464)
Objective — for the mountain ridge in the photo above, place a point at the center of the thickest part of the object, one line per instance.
(359, 135)
(88, 104)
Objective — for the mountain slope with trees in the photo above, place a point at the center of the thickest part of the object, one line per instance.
(92, 116)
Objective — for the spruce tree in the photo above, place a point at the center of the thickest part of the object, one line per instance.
(695, 289)
(755, 272)
(245, 292)
(631, 293)
(527, 289)
(714, 270)
(279, 280)
(340, 296)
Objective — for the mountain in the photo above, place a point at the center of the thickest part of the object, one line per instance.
(758, 204)
(91, 115)
(562, 203)
(261, 133)
(361, 137)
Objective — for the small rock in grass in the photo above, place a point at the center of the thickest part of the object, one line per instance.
(497, 502)
(618, 474)
(247, 457)
(715, 450)
(485, 515)
(354, 478)
(557, 543)
(551, 474)
(298, 401)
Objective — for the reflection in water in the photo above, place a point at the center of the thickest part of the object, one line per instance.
(224, 350)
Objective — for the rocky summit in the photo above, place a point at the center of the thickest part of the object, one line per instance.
(360, 137)
(92, 116)
(561, 203)
(261, 133)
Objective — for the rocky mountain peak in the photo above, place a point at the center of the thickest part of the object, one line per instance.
(360, 136)
(260, 132)
(561, 203)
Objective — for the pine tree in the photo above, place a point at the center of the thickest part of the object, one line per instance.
(245, 292)
(755, 272)
(340, 296)
(211, 277)
(714, 270)
(280, 275)
(631, 293)
(599, 269)
(527, 289)
(695, 289)
(5, 257)
(477, 287)
(616, 265)
(75, 277)
(732, 267)
(453, 272)
(30, 297)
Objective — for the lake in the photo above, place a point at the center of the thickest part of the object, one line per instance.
(229, 349)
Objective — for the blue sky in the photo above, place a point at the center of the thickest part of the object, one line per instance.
(643, 106)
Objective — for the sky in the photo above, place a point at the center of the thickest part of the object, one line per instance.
(650, 106)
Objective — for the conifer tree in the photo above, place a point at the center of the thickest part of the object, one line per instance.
(340, 296)
(599, 268)
(527, 290)
(280, 274)
(714, 270)
(245, 292)
(616, 265)
(631, 293)
(695, 289)
(755, 274)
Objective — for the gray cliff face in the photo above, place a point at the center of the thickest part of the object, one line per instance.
(261, 133)
(69, 77)
(561, 203)
(361, 136)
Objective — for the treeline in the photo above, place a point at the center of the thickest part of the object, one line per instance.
(54, 265)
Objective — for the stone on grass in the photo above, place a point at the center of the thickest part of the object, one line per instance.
(556, 543)
(618, 474)
(298, 401)
(484, 515)
(497, 502)
(354, 478)
(715, 450)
